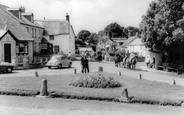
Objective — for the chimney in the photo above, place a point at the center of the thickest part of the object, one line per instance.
(67, 17)
(16, 12)
(22, 9)
(29, 16)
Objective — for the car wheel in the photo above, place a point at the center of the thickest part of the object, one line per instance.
(49, 67)
(60, 66)
(9, 69)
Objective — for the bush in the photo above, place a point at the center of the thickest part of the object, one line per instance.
(96, 80)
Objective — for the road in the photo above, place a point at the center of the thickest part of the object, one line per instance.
(14, 105)
(149, 74)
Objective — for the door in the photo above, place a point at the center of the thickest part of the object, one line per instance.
(7, 53)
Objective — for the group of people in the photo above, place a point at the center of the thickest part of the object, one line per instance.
(85, 65)
(128, 62)
(149, 63)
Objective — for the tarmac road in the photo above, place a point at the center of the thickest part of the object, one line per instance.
(15, 105)
(149, 74)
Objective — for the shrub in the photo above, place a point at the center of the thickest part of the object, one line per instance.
(96, 80)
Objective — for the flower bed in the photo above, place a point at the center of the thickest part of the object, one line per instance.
(96, 80)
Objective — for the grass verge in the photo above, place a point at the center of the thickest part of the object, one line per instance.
(145, 92)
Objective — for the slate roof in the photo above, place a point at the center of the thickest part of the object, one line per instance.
(54, 27)
(130, 39)
(136, 41)
(2, 32)
(13, 24)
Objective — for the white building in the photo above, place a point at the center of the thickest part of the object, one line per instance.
(137, 46)
(60, 33)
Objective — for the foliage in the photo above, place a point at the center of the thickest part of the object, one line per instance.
(131, 31)
(96, 80)
(83, 34)
(162, 27)
(92, 39)
(79, 42)
(114, 30)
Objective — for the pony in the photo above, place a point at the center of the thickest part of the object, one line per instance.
(133, 62)
(129, 62)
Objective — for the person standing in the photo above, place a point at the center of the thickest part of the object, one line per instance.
(69, 56)
(86, 66)
(82, 64)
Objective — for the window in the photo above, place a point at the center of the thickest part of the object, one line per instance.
(27, 29)
(32, 32)
(35, 33)
(56, 49)
(51, 37)
(22, 48)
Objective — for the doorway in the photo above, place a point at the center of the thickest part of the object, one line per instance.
(7, 53)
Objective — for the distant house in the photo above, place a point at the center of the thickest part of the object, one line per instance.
(20, 36)
(137, 47)
(83, 50)
(119, 42)
(60, 34)
(124, 46)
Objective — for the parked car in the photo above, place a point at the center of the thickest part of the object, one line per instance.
(58, 61)
(6, 67)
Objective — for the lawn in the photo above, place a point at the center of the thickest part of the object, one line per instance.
(144, 91)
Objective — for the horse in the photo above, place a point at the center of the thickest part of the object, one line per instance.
(133, 62)
(126, 62)
(118, 60)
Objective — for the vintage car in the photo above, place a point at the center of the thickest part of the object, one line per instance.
(58, 61)
(6, 67)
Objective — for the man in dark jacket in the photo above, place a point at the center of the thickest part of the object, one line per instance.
(82, 64)
(85, 64)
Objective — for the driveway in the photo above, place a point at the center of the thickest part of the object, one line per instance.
(149, 74)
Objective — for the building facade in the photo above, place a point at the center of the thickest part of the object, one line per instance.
(60, 34)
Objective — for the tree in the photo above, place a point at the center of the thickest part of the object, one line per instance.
(163, 28)
(114, 30)
(83, 34)
(131, 31)
(92, 40)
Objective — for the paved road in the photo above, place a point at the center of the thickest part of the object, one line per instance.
(13, 105)
(149, 74)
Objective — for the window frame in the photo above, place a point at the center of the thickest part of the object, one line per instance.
(25, 49)
(51, 37)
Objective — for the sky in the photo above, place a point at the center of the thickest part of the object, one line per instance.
(91, 15)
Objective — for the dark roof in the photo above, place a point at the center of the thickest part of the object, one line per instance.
(130, 39)
(44, 40)
(54, 27)
(19, 31)
(4, 32)
(23, 20)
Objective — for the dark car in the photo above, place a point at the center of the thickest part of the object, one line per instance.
(6, 67)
